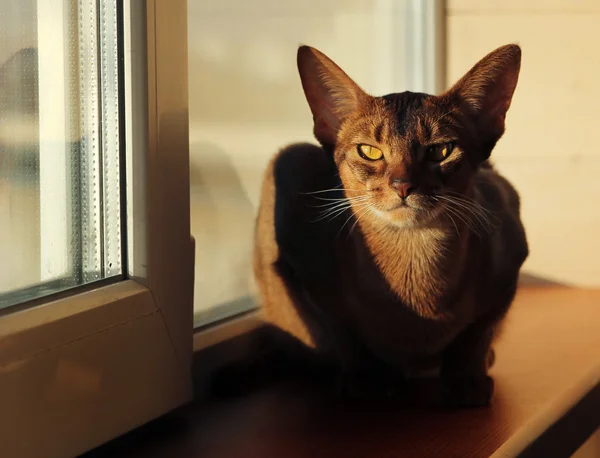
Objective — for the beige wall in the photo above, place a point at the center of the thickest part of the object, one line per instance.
(549, 151)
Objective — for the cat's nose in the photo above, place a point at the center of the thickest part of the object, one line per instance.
(402, 188)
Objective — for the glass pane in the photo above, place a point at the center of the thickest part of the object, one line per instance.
(60, 198)
(246, 102)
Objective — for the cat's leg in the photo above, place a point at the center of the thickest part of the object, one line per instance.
(367, 378)
(464, 379)
(465, 362)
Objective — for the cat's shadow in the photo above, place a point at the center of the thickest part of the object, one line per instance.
(222, 223)
(529, 280)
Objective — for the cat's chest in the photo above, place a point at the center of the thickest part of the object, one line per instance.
(397, 298)
(415, 266)
(394, 331)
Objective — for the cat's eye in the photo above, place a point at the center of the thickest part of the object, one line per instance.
(370, 152)
(437, 153)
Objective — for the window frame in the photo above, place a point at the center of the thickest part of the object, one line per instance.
(81, 369)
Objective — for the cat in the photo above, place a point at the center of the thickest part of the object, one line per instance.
(391, 251)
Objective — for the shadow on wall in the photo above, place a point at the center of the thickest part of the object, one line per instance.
(222, 221)
(526, 279)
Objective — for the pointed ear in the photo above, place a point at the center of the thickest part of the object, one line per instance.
(486, 91)
(331, 94)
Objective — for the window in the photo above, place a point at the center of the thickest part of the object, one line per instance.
(60, 194)
(96, 280)
(246, 102)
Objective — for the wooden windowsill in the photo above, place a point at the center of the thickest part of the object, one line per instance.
(547, 403)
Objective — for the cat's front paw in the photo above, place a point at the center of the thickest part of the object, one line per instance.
(467, 391)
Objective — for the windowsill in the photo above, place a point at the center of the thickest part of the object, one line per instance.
(547, 403)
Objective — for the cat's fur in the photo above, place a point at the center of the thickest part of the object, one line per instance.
(386, 292)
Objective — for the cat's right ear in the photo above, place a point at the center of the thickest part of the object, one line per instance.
(331, 94)
(486, 91)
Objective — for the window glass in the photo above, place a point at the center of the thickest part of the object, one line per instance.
(60, 194)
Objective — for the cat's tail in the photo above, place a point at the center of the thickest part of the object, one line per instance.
(270, 356)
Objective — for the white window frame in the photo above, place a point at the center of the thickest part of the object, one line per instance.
(81, 370)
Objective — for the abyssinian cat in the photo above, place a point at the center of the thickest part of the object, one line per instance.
(392, 250)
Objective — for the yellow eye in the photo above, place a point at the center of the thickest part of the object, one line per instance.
(438, 153)
(370, 152)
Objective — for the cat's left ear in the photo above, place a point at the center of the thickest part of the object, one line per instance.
(331, 94)
(484, 94)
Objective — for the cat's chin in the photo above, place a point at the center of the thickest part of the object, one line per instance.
(406, 217)
(400, 217)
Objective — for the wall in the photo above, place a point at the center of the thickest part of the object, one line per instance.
(549, 150)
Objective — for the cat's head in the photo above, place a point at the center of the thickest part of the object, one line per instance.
(402, 157)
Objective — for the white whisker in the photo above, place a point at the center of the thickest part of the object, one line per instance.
(352, 199)
(464, 218)
(450, 218)
(481, 218)
(366, 204)
(472, 210)
(340, 205)
(338, 189)
(464, 198)
(340, 208)
(368, 210)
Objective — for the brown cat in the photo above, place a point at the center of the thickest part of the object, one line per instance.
(393, 249)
